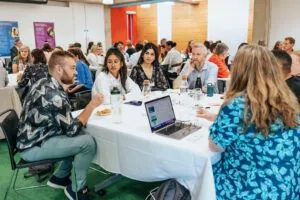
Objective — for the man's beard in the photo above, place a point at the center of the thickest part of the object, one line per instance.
(67, 80)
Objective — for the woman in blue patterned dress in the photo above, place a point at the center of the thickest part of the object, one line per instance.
(257, 130)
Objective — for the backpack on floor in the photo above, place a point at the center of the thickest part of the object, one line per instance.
(170, 190)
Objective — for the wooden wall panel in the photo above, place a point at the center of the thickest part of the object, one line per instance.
(250, 22)
(189, 23)
(147, 23)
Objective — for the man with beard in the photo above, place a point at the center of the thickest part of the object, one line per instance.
(47, 129)
(198, 67)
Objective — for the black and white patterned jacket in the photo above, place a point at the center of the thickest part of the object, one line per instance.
(46, 113)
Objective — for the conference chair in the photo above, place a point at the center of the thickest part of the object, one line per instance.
(81, 99)
(9, 126)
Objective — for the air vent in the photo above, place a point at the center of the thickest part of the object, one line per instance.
(27, 1)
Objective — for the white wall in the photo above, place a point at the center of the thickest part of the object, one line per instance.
(285, 21)
(164, 21)
(228, 21)
(69, 22)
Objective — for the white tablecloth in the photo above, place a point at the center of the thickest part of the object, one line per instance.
(130, 149)
(12, 80)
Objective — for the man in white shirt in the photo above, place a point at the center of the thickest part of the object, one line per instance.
(288, 44)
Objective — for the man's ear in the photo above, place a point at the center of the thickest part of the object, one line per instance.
(58, 69)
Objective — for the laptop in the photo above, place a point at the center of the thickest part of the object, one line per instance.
(162, 119)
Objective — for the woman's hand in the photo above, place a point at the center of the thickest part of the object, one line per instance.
(202, 113)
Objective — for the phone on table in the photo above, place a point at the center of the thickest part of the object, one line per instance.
(135, 103)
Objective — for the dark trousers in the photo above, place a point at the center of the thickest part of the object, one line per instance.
(221, 86)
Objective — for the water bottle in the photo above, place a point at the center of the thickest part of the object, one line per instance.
(210, 90)
(198, 83)
(115, 100)
(184, 85)
(146, 88)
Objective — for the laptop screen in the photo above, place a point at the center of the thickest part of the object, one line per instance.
(160, 113)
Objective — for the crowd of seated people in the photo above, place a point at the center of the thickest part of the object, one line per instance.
(260, 106)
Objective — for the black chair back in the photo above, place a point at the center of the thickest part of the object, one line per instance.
(9, 126)
(82, 99)
(165, 69)
(93, 73)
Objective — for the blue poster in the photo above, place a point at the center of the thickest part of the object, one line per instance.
(9, 31)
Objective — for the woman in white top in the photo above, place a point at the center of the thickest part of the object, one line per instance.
(173, 58)
(95, 57)
(114, 74)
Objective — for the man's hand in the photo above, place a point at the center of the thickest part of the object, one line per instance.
(97, 100)
(86, 113)
(191, 66)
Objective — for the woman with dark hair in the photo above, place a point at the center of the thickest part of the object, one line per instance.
(188, 50)
(277, 46)
(47, 47)
(173, 58)
(89, 47)
(162, 49)
(114, 74)
(47, 50)
(206, 43)
(34, 72)
(84, 79)
(148, 68)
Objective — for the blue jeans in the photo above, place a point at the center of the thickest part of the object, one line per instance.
(80, 149)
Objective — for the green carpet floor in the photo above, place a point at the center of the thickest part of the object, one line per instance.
(125, 189)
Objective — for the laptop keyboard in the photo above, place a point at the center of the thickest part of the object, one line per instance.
(171, 129)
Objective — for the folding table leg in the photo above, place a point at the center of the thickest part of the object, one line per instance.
(107, 182)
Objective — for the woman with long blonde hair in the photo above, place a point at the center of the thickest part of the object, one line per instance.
(21, 61)
(257, 130)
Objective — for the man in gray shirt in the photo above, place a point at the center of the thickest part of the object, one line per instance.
(197, 66)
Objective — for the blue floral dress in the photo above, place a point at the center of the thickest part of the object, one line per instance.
(254, 167)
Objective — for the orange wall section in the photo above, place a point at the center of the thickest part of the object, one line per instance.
(119, 24)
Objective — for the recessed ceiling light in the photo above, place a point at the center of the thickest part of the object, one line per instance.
(108, 2)
(145, 6)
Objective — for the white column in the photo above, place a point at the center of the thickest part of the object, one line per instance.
(164, 21)
(228, 21)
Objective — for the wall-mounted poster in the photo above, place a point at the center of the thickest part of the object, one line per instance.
(9, 31)
(44, 32)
